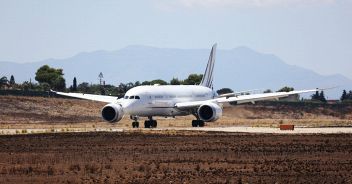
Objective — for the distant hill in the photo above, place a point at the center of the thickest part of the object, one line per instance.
(240, 68)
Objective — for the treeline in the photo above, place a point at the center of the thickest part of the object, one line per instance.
(316, 97)
(51, 78)
(346, 96)
(122, 88)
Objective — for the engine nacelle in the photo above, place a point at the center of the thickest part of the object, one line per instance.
(209, 112)
(112, 112)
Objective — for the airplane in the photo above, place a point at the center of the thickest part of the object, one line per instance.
(176, 100)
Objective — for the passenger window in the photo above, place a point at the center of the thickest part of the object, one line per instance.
(137, 97)
(126, 97)
(131, 97)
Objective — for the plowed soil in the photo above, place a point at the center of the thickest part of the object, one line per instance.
(175, 157)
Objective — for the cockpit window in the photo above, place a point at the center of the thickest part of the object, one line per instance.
(126, 97)
(137, 97)
(131, 97)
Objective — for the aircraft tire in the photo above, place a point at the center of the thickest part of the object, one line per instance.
(200, 123)
(147, 124)
(154, 123)
(135, 124)
(194, 123)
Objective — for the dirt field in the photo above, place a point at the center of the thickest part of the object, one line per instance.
(175, 157)
(139, 156)
(37, 112)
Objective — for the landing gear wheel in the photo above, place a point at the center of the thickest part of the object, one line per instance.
(135, 124)
(200, 123)
(154, 124)
(147, 124)
(197, 123)
(194, 123)
(150, 124)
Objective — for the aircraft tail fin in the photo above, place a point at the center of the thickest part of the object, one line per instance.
(207, 79)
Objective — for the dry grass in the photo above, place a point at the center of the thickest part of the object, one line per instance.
(56, 113)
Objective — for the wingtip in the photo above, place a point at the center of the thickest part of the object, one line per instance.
(328, 88)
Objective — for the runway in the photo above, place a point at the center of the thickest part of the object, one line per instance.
(268, 130)
(233, 129)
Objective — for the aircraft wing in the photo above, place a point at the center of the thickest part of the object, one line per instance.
(99, 98)
(244, 98)
(236, 93)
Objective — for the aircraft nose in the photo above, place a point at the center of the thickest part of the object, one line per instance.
(128, 105)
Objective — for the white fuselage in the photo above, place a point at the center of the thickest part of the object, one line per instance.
(161, 100)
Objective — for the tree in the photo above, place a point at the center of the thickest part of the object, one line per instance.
(322, 97)
(129, 86)
(267, 91)
(344, 95)
(158, 81)
(349, 95)
(44, 86)
(59, 84)
(74, 85)
(26, 85)
(319, 96)
(122, 88)
(83, 87)
(224, 91)
(316, 96)
(193, 79)
(175, 81)
(12, 80)
(286, 89)
(52, 76)
(3, 81)
(102, 90)
(146, 83)
(137, 83)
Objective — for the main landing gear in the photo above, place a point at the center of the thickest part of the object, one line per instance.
(150, 123)
(197, 123)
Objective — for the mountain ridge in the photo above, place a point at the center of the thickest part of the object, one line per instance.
(240, 68)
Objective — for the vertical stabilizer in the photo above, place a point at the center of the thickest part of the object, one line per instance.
(207, 79)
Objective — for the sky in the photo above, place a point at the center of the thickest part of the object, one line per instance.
(315, 34)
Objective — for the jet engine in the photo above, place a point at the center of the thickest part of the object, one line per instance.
(209, 112)
(112, 112)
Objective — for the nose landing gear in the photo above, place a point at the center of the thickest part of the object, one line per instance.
(135, 123)
(150, 123)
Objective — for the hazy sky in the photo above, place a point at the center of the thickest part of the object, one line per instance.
(316, 34)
